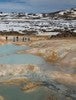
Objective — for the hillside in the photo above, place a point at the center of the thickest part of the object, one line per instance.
(68, 14)
(24, 23)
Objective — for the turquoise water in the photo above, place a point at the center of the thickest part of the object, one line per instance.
(14, 93)
(21, 59)
(8, 55)
(10, 48)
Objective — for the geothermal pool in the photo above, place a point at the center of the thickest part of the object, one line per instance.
(8, 55)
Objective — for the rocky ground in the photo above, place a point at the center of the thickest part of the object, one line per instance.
(30, 77)
(59, 52)
(62, 51)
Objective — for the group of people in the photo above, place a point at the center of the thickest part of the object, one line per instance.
(23, 39)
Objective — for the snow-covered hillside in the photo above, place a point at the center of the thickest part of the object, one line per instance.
(22, 22)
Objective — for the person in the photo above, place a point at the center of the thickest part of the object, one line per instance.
(17, 38)
(28, 39)
(13, 39)
(6, 38)
(23, 39)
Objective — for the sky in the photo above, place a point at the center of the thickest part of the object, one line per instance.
(35, 6)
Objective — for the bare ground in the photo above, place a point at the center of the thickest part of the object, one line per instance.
(61, 52)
